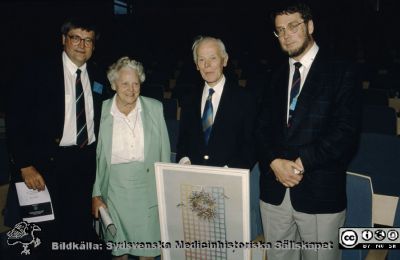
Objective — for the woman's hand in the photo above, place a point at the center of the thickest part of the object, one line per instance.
(97, 202)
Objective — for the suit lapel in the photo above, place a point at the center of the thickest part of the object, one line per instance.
(97, 98)
(147, 129)
(107, 129)
(281, 87)
(222, 112)
(284, 83)
(57, 94)
(197, 114)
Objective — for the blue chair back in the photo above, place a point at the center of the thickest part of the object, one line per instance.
(255, 214)
(359, 209)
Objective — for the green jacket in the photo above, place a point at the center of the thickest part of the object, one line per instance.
(156, 145)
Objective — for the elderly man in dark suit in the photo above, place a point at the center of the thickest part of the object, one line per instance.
(52, 125)
(306, 135)
(217, 123)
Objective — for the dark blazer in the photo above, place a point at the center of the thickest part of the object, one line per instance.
(35, 116)
(231, 141)
(34, 127)
(324, 133)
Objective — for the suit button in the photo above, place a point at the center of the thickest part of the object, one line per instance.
(51, 158)
(206, 157)
(148, 169)
(57, 140)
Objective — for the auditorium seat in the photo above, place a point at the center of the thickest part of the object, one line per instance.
(359, 200)
(378, 157)
(379, 119)
(170, 108)
(375, 97)
(359, 209)
(173, 133)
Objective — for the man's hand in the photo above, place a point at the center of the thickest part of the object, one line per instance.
(284, 172)
(32, 178)
(299, 163)
(97, 202)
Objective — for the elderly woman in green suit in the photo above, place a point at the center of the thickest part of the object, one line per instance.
(133, 136)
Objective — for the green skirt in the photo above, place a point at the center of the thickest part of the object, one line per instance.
(135, 218)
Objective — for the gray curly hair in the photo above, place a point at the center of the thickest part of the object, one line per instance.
(125, 62)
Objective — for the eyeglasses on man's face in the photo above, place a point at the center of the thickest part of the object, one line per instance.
(291, 28)
(76, 40)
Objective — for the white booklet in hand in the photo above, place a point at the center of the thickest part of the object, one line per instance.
(107, 221)
(35, 205)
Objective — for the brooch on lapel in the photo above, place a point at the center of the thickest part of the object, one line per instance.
(97, 87)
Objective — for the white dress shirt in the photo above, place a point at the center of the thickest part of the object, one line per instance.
(306, 62)
(216, 97)
(69, 132)
(127, 135)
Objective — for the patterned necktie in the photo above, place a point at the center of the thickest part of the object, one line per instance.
(294, 90)
(207, 119)
(81, 129)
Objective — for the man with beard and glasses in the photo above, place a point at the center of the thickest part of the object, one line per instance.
(306, 134)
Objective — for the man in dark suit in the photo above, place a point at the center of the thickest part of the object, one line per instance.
(306, 134)
(216, 125)
(52, 124)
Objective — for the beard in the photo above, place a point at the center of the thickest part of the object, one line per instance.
(300, 50)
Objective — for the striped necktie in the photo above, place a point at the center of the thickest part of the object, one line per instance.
(81, 129)
(294, 90)
(207, 118)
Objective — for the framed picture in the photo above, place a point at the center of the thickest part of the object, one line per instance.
(204, 212)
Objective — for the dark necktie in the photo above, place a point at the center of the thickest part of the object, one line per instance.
(294, 90)
(81, 129)
(207, 118)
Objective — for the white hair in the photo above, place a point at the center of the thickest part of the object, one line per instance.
(124, 62)
(201, 39)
